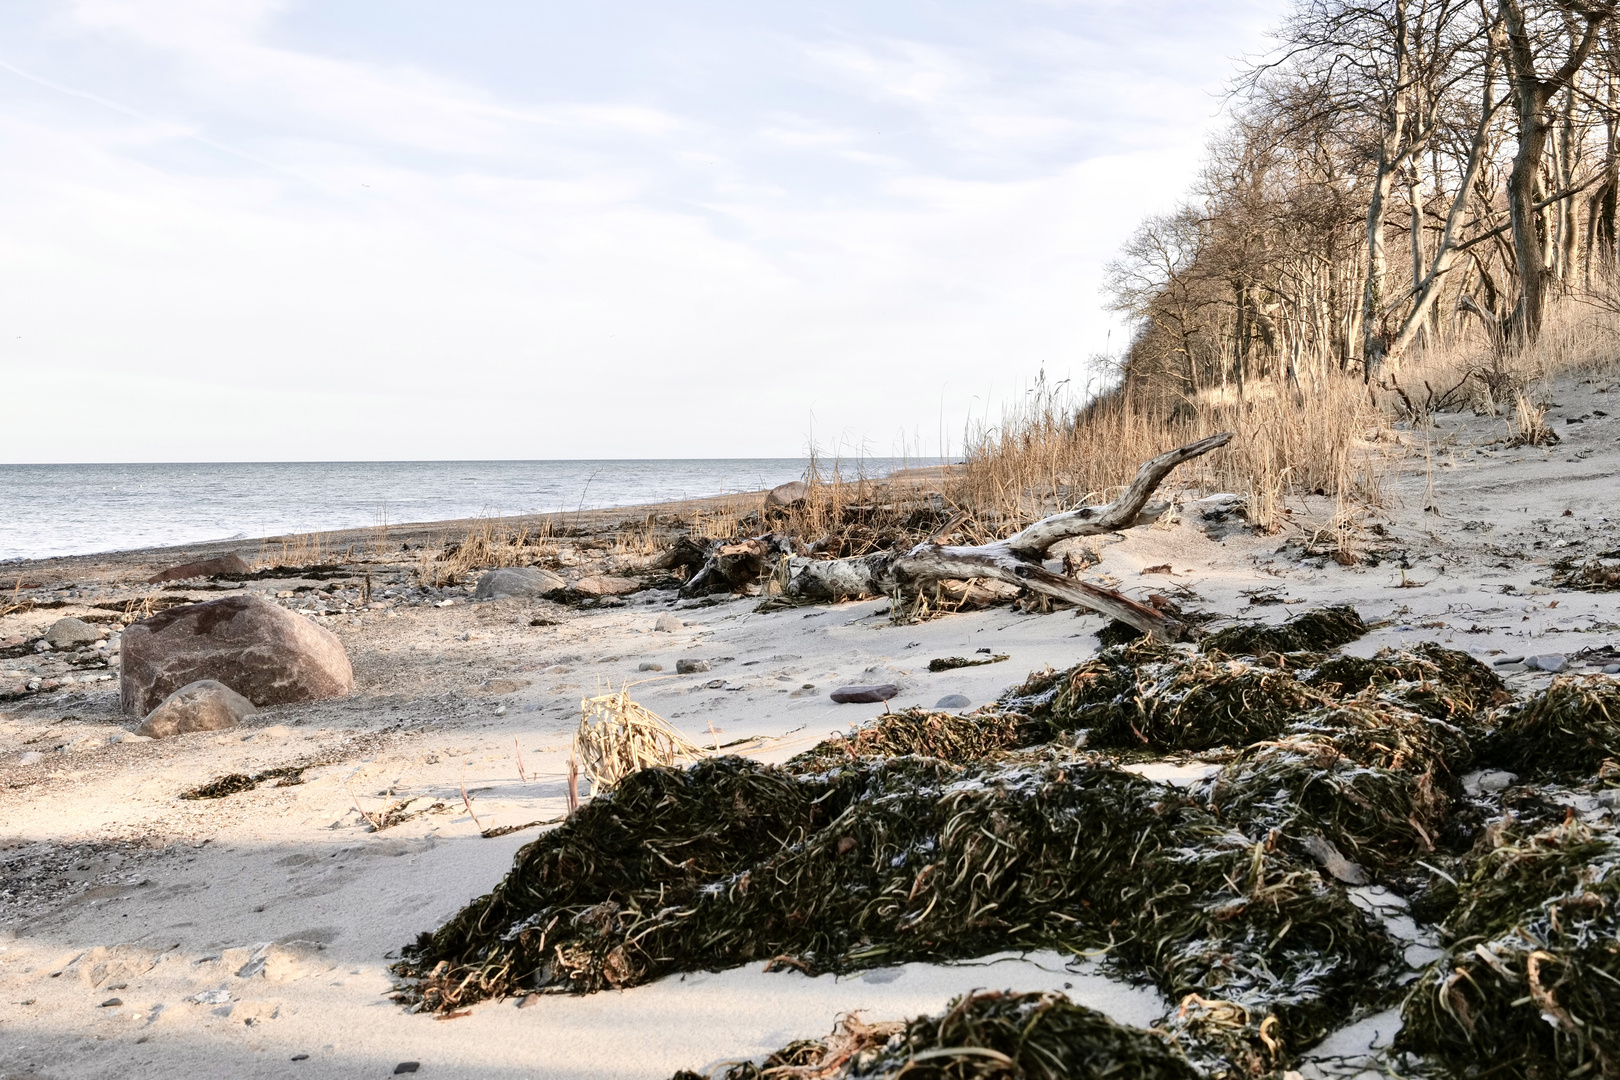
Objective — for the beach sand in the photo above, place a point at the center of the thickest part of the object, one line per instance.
(114, 889)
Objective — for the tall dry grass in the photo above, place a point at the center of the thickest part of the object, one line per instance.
(1337, 436)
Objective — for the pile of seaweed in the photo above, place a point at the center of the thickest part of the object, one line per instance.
(982, 1036)
(934, 836)
(1531, 983)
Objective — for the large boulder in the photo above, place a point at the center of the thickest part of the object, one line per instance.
(205, 705)
(70, 633)
(262, 651)
(785, 495)
(225, 564)
(517, 581)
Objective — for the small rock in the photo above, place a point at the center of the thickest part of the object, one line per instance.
(517, 581)
(668, 624)
(1552, 663)
(648, 665)
(1504, 661)
(110, 1002)
(1489, 781)
(33, 757)
(864, 695)
(605, 585)
(70, 633)
(691, 667)
(785, 495)
(205, 705)
(1330, 859)
(953, 701)
(1612, 669)
(300, 1057)
(225, 564)
(407, 1067)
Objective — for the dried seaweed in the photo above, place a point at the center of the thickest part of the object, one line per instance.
(950, 663)
(993, 1035)
(1152, 697)
(1531, 982)
(1320, 631)
(235, 783)
(919, 861)
(1430, 678)
(946, 736)
(1601, 574)
(1566, 731)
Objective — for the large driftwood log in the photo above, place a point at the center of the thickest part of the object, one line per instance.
(1016, 560)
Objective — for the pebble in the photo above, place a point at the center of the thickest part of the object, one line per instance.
(407, 1067)
(110, 1002)
(668, 624)
(648, 665)
(690, 667)
(1612, 669)
(864, 695)
(1552, 663)
(953, 701)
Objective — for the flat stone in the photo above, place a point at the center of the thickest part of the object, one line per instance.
(953, 701)
(1552, 663)
(691, 667)
(648, 665)
(70, 633)
(785, 495)
(205, 705)
(605, 585)
(668, 624)
(864, 695)
(224, 564)
(517, 581)
(258, 648)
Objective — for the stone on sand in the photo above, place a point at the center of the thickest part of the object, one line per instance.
(690, 667)
(864, 695)
(70, 633)
(225, 564)
(605, 585)
(262, 651)
(668, 624)
(953, 701)
(205, 705)
(517, 581)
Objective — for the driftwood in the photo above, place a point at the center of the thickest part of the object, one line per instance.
(1017, 560)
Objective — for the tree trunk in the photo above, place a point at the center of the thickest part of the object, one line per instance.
(1531, 96)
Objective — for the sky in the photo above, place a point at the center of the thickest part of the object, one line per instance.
(248, 230)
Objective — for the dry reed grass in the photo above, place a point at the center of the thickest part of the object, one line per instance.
(299, 549)
(489, 544)
(618, 736)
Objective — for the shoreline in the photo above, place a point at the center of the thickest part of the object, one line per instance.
(588, 522)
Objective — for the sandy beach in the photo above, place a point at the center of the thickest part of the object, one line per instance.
(142, 935)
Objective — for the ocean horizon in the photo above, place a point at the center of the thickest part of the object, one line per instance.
(85, 509)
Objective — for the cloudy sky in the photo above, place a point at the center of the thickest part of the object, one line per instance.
(402, 229)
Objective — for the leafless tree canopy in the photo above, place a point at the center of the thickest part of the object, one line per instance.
(1397, 173)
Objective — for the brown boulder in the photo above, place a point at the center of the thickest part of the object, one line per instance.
(225, 564)
(789, 494)
(205, 705)
(264, 652)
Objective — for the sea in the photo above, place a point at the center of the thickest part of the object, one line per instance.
(48, 510)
